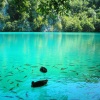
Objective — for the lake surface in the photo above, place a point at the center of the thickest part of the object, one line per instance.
(72, 61)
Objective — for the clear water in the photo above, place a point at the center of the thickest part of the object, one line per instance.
(72, 60)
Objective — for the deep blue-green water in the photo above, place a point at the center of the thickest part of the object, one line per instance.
(72, 60)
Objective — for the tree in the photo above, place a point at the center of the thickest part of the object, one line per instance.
(71, 24)
(87, 25)
(97, 25)
(53, 7)
(11, 26)
(2, 4)
(76, 6)
(17, 9)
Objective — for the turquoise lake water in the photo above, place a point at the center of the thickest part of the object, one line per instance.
(72, 60)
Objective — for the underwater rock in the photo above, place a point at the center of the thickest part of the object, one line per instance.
(39, 83)
(43, 69)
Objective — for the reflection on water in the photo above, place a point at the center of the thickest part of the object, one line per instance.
(72, 60)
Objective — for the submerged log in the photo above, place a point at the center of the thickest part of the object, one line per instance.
(39, 83)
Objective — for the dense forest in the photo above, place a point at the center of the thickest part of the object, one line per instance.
(50, 15)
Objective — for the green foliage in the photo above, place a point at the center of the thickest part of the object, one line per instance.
(98, 14)
(10, 26)
(94, 2)
(75, 15)
(1, 17)
(2, 4)
(76, 6)
(71, 24)
(38, 22)
(53, 6)
(58, 25)
(97, 25)
(19, 9)
(91, 13)
(87, 25)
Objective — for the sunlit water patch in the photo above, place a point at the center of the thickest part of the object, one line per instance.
(72, 61)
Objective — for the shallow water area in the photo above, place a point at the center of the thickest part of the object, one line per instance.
(72, 61)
